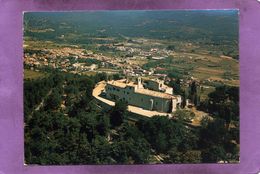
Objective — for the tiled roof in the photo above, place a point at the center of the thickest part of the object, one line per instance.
(122, 84)
(154, 93)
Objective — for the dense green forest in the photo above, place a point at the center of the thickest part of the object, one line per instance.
(65, 125)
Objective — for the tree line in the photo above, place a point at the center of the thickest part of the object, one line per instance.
(71, 128)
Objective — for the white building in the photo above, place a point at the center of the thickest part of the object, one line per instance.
(92, 67)
(136, 95)
(158, 85)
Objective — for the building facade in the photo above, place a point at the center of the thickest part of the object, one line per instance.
(158, 85)
(135, 94)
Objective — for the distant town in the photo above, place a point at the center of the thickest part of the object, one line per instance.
(81, 61)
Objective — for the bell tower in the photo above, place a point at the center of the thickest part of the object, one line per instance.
(139, 83)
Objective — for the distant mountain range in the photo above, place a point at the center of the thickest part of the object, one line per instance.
(215, 26)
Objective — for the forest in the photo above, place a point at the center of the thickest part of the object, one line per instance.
(65, 125)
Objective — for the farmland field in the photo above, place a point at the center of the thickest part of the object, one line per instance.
(30, 74)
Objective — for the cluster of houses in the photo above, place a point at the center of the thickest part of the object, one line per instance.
(66, 59)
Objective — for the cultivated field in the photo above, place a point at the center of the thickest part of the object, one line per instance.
(30, 74)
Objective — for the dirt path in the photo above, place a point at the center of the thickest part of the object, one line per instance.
(199, 115)
(43, 100)
(39, 106)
